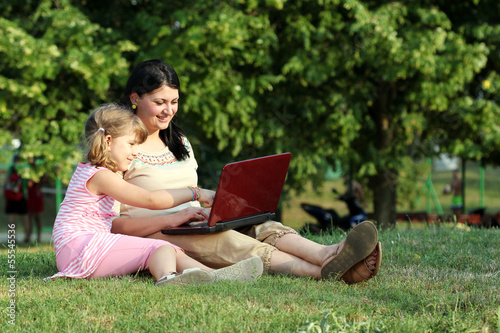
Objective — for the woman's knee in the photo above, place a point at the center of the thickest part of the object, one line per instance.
(270, 232)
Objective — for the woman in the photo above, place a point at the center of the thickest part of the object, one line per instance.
(166, 159)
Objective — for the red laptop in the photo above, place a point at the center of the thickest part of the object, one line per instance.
(248, 193)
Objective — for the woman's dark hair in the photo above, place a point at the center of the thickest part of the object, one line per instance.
(147, 77)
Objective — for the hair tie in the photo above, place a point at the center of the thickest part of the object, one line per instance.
(101, 129)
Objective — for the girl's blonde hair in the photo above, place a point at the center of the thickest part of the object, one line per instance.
(109, 119)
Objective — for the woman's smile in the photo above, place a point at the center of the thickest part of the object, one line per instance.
(156, 109)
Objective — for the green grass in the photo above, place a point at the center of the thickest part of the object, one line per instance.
(437, 279)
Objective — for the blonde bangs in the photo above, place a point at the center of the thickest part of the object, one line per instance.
(140, 130)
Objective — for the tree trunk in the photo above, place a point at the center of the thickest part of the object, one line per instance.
(384, 186)
(384, 183)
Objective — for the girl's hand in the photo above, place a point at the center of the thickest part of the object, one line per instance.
(206, 197)
(189, 214)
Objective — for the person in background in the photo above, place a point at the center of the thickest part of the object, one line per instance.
(35, 205)
(455, 189)
(354, 188)
(15, 200)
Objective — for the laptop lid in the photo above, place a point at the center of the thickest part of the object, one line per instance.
(248, 193)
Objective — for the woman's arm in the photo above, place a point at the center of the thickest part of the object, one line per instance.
(111, 184)
(145, 226)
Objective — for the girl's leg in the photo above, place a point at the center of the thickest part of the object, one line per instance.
(131, 254)
(184, 262)
(195, 272)
(163, 262)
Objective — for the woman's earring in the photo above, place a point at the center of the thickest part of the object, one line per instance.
(134, 106)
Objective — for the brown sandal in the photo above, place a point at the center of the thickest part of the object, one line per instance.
(359, 243)
(353, 275)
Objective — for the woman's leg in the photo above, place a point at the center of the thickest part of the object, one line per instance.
(287, 240)
(281, 249)
(298, 255)
(286, 263)
(306, 249)
(283, 262)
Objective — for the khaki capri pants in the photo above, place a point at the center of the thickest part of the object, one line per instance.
(221, 249)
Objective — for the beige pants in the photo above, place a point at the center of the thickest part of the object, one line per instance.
(226, 248)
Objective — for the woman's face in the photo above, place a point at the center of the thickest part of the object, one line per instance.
(157, 108)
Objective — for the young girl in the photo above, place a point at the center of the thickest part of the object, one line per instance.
(84, 245)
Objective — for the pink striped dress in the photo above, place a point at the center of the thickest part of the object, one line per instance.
(83, 217)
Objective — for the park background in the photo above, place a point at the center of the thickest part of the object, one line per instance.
(294, 216)
(374, 87)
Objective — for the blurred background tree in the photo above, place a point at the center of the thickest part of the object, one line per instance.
(55, 66)
(377, 85)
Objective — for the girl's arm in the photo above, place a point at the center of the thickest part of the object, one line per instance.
(145, 226)
(105, 182)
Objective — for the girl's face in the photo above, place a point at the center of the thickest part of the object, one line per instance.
(157, 108)
(122, 149)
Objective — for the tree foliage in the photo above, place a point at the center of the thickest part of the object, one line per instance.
(377, 85)
(56, 66)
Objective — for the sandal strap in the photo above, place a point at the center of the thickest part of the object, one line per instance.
(168, 276)
(364, 277)
(371, 270)
(370, 267)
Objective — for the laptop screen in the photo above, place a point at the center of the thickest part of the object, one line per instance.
(249, 187)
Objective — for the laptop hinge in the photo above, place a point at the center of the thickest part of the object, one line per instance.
(244, 221)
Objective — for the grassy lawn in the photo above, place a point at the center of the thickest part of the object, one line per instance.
(442, 278)
(438, 279)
